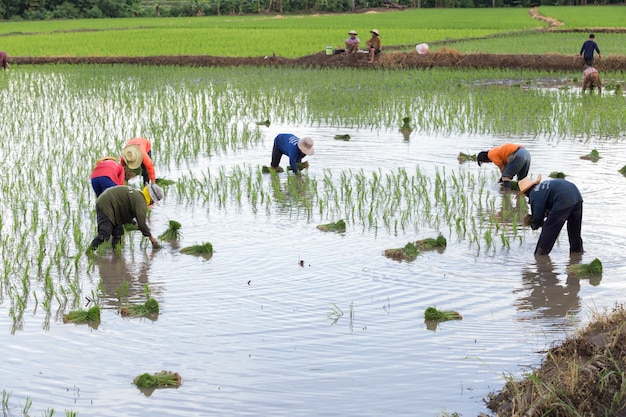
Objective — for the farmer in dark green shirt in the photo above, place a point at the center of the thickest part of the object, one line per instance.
(122, 205)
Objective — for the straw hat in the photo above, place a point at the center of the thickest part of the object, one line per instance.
(375, 32)
(306, 146)
(352, 32)
(133, 156)
(525, 183)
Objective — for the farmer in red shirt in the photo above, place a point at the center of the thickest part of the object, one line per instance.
(138, 153)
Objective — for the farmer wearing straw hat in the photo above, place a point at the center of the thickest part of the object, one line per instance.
(352, 43)
(108, 173)
(558, 201)
(122, 205)
(292, 146)
(138, 153)
(512, 159)
(374, 45)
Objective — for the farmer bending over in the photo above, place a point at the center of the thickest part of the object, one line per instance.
(138, 153)
(292, 146)
(108, 173)
(122, 205)
(511, 159)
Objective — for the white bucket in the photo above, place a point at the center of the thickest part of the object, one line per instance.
(422, 48)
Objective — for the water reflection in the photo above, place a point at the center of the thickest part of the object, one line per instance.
(546, 295)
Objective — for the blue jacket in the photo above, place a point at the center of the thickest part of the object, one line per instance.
(288, 145)
(551, 195)
(588, 47)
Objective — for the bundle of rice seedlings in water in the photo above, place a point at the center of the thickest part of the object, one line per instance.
(406, 125)
(266, 170)
(623, 171)
(147, 309)
(430, 243)
(83, 316)
(408, 253)
(162, 182)
(158, 380)
(588, 270)
(203, 249)
(465, 157)
(301, 166)
(432, 314)
(342, 137)
(557, 174)
(593, 156)
(338, 226)
(265, 123)
(172, 232)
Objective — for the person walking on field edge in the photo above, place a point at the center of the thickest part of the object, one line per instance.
(138, 153)
(122, 205)
(589, 46)
(512, 159)
(558, 201)
(292, 146)
(374, 45)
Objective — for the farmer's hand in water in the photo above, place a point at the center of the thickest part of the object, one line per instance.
(155, 242)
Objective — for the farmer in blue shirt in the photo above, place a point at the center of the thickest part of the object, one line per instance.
(588, 48)
(557, 201)
(292, 146)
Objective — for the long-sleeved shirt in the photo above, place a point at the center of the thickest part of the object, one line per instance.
(145, 146)
(111, 169)
(587, 49)
(121, 204)
(551, 195)
(288, 145)
(500, 154)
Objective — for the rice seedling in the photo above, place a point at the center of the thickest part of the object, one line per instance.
(163, 379)
(433, 314)
(265, 123)
(592, 156)
(201, 249)
(591, 269)
(172, 232)
(163, 182)
(557, 174)
(408, 253)
(466, 157)
(623, 170)
(431, 243)
(406, 127)
(339, 226)
(148, 309)
(345, 137)
(83, 316)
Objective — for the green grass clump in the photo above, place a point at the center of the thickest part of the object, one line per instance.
(593, 156)
(345, 137)
(338, 226)
(202, 249)
(147, 309)
(466, 157)
(431, 243)
(591, 269)
(158, 380)
(432, 314)
(83, 316)
(172, 232)
(557, 174)
(408, 253)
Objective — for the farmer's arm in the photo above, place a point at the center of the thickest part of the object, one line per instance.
(147, 162)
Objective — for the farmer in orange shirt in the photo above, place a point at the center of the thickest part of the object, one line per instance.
(511, 158)
(138, 153)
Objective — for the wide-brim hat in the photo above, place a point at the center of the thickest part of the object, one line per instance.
(156, 193)
(306, 146)
(133, 156)
(352, 32)
(526, 183)
(375, 31)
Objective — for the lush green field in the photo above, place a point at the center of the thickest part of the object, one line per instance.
(587, 16)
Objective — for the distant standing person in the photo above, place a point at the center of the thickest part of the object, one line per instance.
(352, 43)
(4, 60)
(588, 48)
(557, 201)
(374, 46)
(138, 153)
(292, 146)
(512, 160)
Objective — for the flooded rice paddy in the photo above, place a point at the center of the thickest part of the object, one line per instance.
(283, 319)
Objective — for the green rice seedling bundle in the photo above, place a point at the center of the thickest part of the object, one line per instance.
(83, 316)
(161, 379)
(623, 170)
(431, 243)
(338, 226)
(433, 314)
(267, 170)
(408, 253)
(406, 125)
(162, 182)
(172, 232)
(147, 309)
(301, 166)
(466, 157)
(593, 156)
(345, 137)
(591, 269)
(264, 123)
(202, 249)
(557, 174)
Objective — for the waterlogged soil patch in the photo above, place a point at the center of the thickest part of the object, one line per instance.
(339, 226)
(148, 309)
(583, 376)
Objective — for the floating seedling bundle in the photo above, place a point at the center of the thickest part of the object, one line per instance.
(83, 316)
(433, 314)
(338, 226)
(408, 253)
(205, 249)
(163, 379)
(342, 137)
(431, 243)
(557, 174)
(593, 156)
(586, 270)
(172, 232)
(465, 157)
(148, 309)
